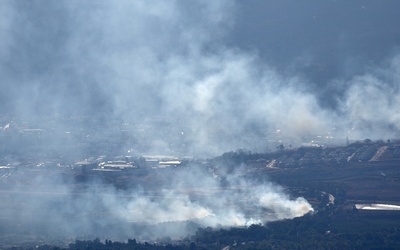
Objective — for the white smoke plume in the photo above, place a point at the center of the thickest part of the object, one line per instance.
(173, 71)
(174, 77)
(48, 207)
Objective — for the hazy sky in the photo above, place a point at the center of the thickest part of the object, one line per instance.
(236, 69)
(322, 40)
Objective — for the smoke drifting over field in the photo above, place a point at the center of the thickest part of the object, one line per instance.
(47, 207)
(208, 74)
(189, 78)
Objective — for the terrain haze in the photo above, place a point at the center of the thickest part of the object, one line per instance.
(213, 76)
(157, 119)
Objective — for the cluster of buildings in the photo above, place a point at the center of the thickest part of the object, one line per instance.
(130, 164)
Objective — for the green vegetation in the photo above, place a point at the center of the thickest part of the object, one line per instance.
(343, 230)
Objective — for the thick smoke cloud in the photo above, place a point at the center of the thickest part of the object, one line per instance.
(187, 78)
(176, 67)
(47, 207)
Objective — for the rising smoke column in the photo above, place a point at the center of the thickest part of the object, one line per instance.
(50, 207)
(196, 195)
(175, 71)
(170, 68)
